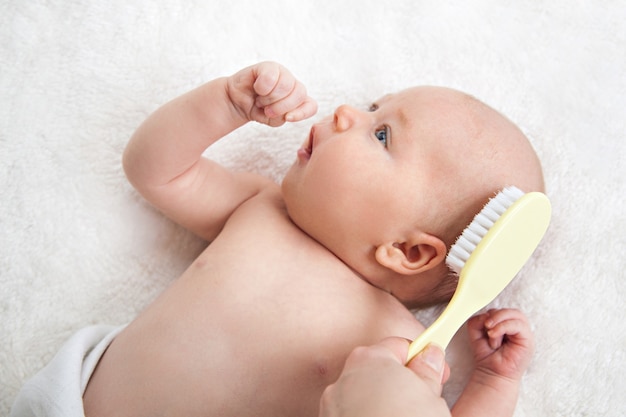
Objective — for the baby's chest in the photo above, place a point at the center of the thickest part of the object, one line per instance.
(291, 282)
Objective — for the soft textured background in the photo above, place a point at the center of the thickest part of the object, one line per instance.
(78, 246)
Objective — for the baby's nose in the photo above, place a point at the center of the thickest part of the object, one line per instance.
(346, 116)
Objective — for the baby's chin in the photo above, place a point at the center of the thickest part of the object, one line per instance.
(288, 191)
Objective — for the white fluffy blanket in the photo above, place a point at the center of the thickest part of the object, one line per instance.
(78, 246)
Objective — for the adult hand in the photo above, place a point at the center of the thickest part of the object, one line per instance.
(375, 383)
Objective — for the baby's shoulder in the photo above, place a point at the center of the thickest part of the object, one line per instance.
(265, 210)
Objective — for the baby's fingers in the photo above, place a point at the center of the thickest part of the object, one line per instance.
(476, 326)
(510, 323)
(274, 83)
(307, 109)
(497, 316)
(280, 107)
(266, 77)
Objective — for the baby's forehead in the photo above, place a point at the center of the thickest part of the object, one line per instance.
(427, 93)
(384, 98)
(412, 96)
(411, 103)
(440, 102)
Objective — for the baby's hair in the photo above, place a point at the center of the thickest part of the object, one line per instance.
(444, 291)
(448, 285)
(441, 294)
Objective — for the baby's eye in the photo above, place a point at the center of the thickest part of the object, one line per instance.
(373, 107)
(382, 134)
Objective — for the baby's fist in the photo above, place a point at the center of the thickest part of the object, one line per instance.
(502, 342)
(268, 93)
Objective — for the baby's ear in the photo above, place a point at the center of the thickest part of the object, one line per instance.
(416, 254)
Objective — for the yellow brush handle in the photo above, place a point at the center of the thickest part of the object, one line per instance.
(442, 330)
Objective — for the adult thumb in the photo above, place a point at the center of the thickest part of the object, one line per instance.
(430, 365)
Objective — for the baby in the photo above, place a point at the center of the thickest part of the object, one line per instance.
(299, 274)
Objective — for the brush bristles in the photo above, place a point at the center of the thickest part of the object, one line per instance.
(478, 228)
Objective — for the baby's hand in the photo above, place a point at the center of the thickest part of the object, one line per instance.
(268, 93)
(502, 342)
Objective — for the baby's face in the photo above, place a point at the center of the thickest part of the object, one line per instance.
(425, 159)
(364, 175)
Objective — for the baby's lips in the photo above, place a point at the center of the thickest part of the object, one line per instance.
(310, 142)
(307, 147)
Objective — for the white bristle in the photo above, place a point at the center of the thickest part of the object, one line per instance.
(483, 220)
(472, 237)
(497, 206)
(464, 247)
(513, 193)
(455, 263)
(478, 228)
(494, 212)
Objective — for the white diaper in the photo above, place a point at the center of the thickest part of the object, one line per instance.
(57, 390)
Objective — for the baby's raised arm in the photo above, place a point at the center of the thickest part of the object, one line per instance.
(163, 159)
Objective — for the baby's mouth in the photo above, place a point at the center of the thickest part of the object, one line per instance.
(307, 148)
(309, 143)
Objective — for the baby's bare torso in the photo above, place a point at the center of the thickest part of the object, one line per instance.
(257, 326)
